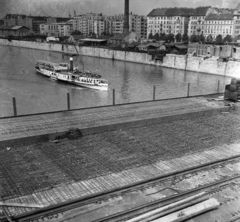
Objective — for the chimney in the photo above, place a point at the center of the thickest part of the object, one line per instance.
(126, 17)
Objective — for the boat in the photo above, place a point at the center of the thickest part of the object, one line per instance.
(66, 73)
(49, 69)
(90, 80)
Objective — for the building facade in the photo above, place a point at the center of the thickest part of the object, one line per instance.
(56, 29)
(196, 24)
(32, 22)
(236, 22)
(218, 24)
(137, 24)
(168, 21)
(89, 23)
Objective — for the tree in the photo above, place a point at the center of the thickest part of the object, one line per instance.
(162, 36)
(209, 39)
(156, 36)
(201, 38)
(150, 36)
(76, 32)
(193, 38)
(219, 39)
(178, 37)
(170, 37)
(185, 37)
(228, 38)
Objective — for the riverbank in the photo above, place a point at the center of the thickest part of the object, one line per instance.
(197, 64)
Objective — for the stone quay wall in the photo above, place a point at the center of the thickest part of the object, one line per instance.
(197, 64)
(86, 51)
(200, 64)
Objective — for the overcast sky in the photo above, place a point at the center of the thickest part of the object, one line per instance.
(107, 7)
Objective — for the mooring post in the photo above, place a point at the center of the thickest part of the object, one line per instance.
(218, 86)
(188, 91)
(154, 92)
(68, 101)
(14, 106)
(113, 97)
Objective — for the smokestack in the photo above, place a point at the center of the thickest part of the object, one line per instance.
(126, 17)
(71, 64)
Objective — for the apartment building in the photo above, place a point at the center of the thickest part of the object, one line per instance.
(90, 23)
(218, 24)
(137, 24)
(197, 20)
(236, 21)
(168, 20)
(56, 29)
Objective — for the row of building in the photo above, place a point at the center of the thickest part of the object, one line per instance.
(199, 21)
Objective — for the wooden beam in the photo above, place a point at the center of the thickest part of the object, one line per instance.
(189, 212)
(4, 204)
(165, 208)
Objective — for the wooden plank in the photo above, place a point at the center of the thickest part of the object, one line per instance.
(189, 212)
(4, 204)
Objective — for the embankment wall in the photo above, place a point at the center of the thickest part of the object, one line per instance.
(197, 64)
(88, 51)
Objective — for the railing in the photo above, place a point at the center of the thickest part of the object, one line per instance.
(113, 103)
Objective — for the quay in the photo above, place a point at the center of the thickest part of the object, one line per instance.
(45, 127)
(120, 145)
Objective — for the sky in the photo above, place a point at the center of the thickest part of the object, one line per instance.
(62, 8)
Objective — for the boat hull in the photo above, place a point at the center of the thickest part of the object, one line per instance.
(97, 87)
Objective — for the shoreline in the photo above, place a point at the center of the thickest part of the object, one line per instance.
(183, 62)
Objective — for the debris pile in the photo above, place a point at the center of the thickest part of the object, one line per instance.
(71, 134)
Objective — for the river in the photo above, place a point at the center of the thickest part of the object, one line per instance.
(132, 82)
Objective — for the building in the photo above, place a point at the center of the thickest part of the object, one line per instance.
(197, 19)
(18, 20)
(32, 22)
(89, 23)
(137, 24)
(123, 40)
(38, 20)
(56, 29)
(17, 31)
(168, 21)
(218, 24)
(236, 22)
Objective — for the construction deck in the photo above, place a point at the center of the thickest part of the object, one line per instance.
(44, 127)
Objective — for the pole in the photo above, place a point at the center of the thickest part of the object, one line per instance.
(218, 86)
(68, 101)
(188, 91)
(154, 92)
(71, 64)
(14, 106)
(113, 97)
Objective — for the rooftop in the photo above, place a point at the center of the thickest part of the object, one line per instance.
(14, 27)
(170, 12)
(200, 11)
(224, 16)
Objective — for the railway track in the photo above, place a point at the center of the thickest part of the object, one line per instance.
(58, 209)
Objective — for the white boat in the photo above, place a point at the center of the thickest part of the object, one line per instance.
(90, 80)
(47, 68)
(61, 72)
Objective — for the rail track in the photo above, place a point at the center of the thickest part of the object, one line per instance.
(58, 209)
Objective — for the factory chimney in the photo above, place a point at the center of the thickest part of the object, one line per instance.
(126, 17)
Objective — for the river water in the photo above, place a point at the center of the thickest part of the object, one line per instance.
(132, 82)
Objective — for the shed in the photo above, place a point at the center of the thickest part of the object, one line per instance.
(16, 31)
(93, 42)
